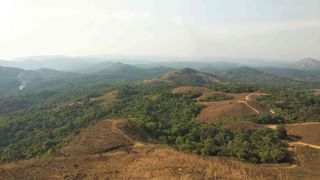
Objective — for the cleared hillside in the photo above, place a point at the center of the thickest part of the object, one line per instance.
(103, 137)
(242, 104)
(305, 132)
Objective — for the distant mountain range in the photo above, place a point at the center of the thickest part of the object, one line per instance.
(45, 72)
(89, 64)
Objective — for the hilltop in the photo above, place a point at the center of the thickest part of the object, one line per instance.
(189, 76)
(308, 63)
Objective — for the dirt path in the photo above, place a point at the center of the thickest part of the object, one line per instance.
(247, 98)
(299, 124)
(274, 126)
(304, 144)
(246, 103)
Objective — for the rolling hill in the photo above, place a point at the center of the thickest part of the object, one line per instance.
(308, 64)
(292, 73)
(188, 76)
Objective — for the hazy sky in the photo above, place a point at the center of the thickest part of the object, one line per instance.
(277, 29)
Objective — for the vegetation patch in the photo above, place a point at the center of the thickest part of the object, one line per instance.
(293, 106)
(169, 119)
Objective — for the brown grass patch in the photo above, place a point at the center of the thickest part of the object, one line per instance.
(242, 104)
(160, 163)
(309, 164)
(310, 133)
(223, 109)
(105, 136)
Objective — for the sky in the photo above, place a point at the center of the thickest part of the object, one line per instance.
(265, 29)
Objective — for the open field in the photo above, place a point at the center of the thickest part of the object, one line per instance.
(224, 109)
(308, 132)
(308, 163)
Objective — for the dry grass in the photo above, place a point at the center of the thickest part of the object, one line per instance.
(223, 109)
(143, 161)
(252, 101)
(105, 136)
(149, 161)
(241, 105)
(160, 163)
(309, 164)
(309, 133)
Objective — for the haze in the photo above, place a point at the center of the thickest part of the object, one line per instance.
(271, 29)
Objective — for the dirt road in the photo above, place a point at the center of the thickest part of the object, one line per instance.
(304, 144)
